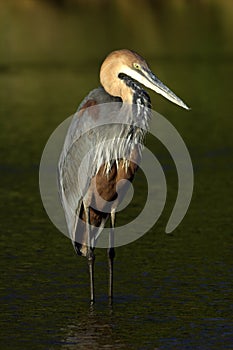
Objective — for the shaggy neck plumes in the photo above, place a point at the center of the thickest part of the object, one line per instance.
(141, 107)
(140, 96)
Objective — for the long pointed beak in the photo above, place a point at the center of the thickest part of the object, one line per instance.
(152, 82)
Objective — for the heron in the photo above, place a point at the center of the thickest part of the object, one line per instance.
(123, 74)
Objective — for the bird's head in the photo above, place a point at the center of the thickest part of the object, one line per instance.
(132, 65)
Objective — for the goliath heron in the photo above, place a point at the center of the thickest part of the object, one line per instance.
(121, 75)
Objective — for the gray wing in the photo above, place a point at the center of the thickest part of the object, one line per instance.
(77, 165)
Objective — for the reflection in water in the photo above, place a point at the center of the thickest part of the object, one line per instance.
(92, 331)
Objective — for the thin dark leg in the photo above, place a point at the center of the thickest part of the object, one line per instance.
(111, 255)
(90, 255)
(91, 260)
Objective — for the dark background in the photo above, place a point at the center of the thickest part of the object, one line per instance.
(171, 291)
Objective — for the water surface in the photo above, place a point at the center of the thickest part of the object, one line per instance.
(171, 291)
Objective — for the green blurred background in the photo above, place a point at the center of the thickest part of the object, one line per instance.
(171, 292)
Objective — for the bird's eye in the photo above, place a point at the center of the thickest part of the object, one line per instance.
(136, 65)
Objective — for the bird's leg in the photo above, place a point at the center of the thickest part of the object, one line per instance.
(90, 253)
(91, 272)
(111, 253)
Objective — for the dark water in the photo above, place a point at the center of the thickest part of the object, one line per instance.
(171, 291)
